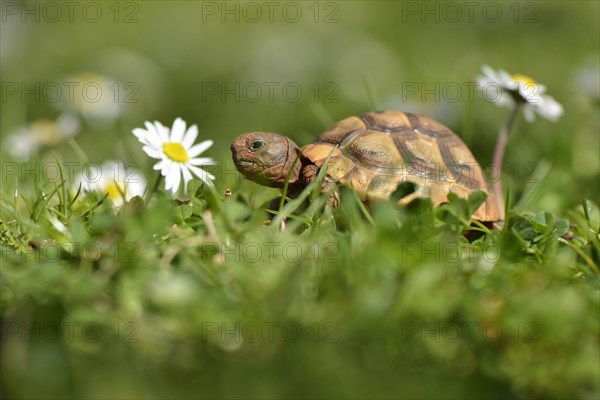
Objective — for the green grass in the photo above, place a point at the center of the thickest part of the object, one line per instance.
(207, 298)
(391, 303)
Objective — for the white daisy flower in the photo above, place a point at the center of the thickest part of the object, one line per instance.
(97, 98)
(41, 133)
(520, 89)
(113, 178)
(177, 153)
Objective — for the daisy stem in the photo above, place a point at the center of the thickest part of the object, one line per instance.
(155, 187)
(499, 157)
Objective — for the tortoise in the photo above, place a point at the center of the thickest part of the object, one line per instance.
(372, 153)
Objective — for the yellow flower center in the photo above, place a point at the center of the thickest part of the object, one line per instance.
(114, 191)
(176, 152)
(45, 132)
(524, 80)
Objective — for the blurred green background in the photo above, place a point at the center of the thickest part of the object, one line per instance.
(180, 58)
(168, 59)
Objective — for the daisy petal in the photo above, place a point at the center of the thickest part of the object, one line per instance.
(550, 109)
(152, 137)
(176, 177)
(190, 136)
(167, 167)
(140, 133)
(199, 148)
(168, 182)
(202, 161)
(506, 80)
(202, 175)
(541, 88)
(163, 131)
(158, 165)
(177, 131)
(136, 188)
(152, 152)
(150, 129)
(187, 176)
(488, 70)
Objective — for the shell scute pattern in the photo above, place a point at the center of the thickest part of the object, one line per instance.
(378, 151)
(373, 149)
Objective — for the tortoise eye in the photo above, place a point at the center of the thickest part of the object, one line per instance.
(256, 145)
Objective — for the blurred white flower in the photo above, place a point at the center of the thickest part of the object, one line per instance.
(113, 178)
(41, 133)
(97, 98)
(59, 226)
(587, 80)
(177, 153)
(520, 89)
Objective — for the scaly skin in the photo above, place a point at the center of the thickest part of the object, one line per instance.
(268, 159)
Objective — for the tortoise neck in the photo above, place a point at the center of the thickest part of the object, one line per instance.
(304, 175)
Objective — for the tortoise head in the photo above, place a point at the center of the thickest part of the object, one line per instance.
(266, 158)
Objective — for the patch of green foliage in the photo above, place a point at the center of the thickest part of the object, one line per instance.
(206, 297)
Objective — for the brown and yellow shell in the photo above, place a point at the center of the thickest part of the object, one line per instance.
(379, 150)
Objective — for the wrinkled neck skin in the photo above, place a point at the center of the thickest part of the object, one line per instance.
(291, 166)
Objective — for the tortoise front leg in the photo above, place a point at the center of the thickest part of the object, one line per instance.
(309, 174)
(329, 186)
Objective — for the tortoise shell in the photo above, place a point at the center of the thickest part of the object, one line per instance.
(379, 150)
